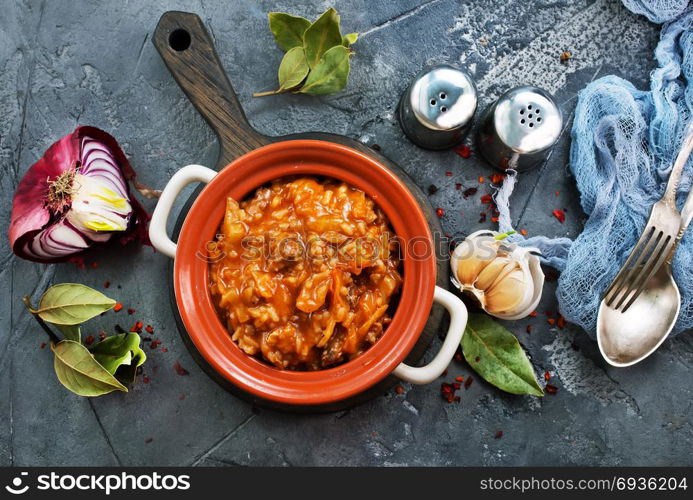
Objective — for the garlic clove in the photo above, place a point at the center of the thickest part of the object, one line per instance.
(505, 279)
(508, 293)
(495, 271)
(470, 257)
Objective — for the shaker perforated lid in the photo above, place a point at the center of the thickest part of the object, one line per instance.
(527, 119)
(438, 106)
(519, 130)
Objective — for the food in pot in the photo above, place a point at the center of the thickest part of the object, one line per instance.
(304, 273)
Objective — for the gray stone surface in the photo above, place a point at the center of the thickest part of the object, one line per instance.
(88, 62)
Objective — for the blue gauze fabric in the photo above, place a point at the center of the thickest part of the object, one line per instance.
(624, 141)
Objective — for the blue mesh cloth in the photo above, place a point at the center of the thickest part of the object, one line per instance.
(624, 141)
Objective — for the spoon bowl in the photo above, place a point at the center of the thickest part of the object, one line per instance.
(625, 338)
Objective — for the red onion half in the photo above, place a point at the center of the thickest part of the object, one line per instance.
(74, 197)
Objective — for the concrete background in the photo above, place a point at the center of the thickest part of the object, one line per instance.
(88, 62)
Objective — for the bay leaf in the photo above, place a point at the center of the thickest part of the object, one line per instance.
(496, 355)
(71, 332)
(287, 29)
(350, 39)
(79, 371)
(321, 36)
(72, 304)
(293, 69)
(120, 355)
(330, 75)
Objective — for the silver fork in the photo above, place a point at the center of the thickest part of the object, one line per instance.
(655, 243)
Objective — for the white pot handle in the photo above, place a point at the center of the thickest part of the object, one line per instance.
(157, 226)
(458, 321)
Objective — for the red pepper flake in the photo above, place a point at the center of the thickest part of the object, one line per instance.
(458, 356)
(459, 379)
(547, 376)
(440, 212)
(565, 56)
(523, 232)
(131, 311)
(163, 349)
(561, 322)
(432, 189)
(551, 389)
(43, 345)
(499, 434)
(77, 260)
(529, 328)
(399, 389)
(486, 199)
(533, 314)
(155, 344)
(481, 180)
(559, 214)
(102, 335)
(477, 359)
(137, 327)
(106, 284)
(557, 193)
(469, 192)
(148, 440)
(117, 307)
(145, 380)
(458, 186)
(497, 178)
(464, 151)
(180, 370)
(482, 217)
(494, 219)
(551, 321)
(448, 174)
(468, 382)
(447, 391)
(89, 340)
(149, 329)
(94, 265)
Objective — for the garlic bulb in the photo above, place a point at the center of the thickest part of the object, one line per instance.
(504, 278)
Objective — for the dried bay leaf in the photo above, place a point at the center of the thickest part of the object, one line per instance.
(79, 371)
(321, 36)
(293, 69)
(496, 355)
(72, 304)
(287, 29)
(330, 75)
(120, 355)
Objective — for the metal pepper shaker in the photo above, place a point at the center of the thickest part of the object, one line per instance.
(519, 130)
(437, 108)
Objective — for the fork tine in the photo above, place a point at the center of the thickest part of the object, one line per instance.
(639, 252)
(656, 263)
(618, 280)
(639, 267)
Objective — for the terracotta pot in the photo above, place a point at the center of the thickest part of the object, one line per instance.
(239, 180)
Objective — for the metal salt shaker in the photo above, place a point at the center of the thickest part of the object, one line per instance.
(437, 108)
(519, 130)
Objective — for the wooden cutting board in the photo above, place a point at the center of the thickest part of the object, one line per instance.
(188, 51)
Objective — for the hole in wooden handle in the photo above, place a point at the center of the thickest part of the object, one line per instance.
(179, 40)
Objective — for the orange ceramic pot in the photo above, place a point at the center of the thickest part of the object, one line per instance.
(239, 180)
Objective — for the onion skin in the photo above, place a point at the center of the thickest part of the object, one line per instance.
(31, 215)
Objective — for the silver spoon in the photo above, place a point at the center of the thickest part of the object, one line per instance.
(626, 338)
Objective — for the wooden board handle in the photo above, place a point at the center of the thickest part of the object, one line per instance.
(188, 51)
